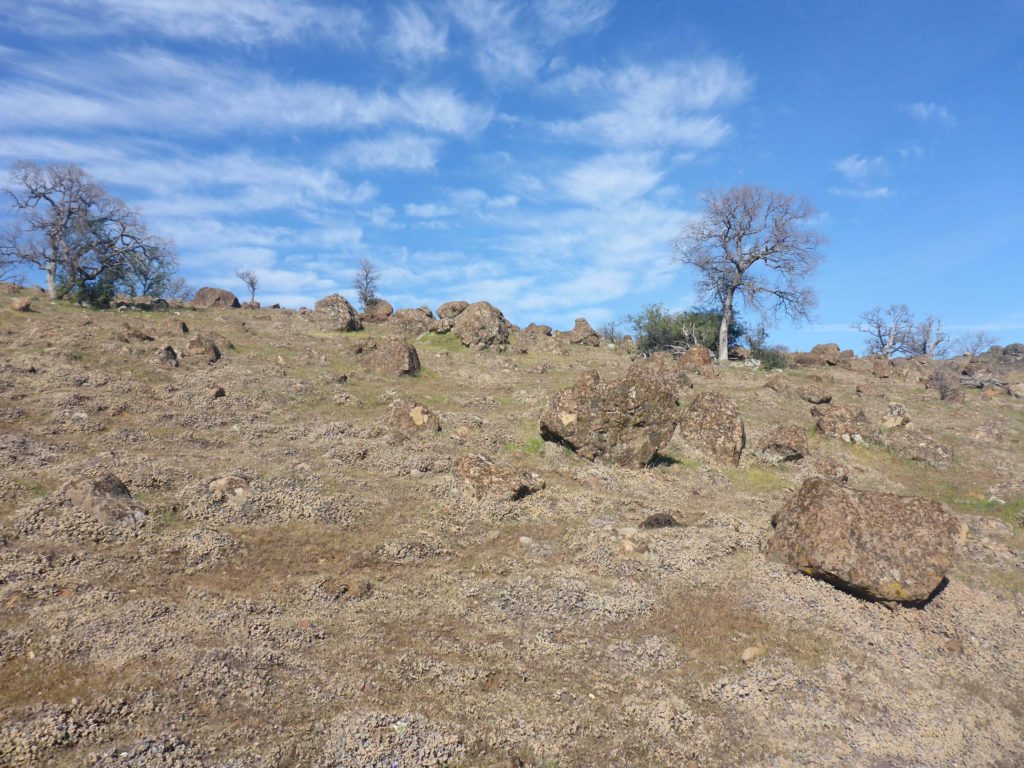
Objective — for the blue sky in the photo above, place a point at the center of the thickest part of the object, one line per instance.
(542, 155)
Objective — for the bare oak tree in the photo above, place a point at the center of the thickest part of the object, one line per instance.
(888, 329)
(365, 282)
(252, 282)
(751, 244)
(927, 339)
(70, 227)
(973, 344)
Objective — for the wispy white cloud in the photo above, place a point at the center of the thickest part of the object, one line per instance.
(414, 37)
(929, 111)
(654, 106)
(572, 17)
(502, 49)
(611, 179)
(857, 167)
(863, 193)
(396, 151)
(136, 90)
(232, 21)
(427, 210)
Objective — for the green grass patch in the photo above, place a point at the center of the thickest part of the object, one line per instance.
(756, 480)
(530, 446)
(439, 342)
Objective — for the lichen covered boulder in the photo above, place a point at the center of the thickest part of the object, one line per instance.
(842, 421)
(583, 334)
(481, 325)
(712, 424)
(877, 545)
(784, 442)
(377, 311)
(412, 418)
(480, 478)
(108, 500)
(215, 297)
(390, 357)
(624, 422)
(335, 311)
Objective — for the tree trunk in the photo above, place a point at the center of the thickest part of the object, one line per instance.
(51, 281)
(723, 329)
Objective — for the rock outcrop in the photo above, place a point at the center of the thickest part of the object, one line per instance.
(202, 349)
(582, 333)
(877, 545)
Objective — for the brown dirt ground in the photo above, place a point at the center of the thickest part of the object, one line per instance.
(356, 610)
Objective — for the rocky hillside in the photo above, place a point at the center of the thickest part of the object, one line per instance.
(234, 536)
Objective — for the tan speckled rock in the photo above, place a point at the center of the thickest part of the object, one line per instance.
(712, 424)
(108, 500)
(483, 478)
(842, 421)
(877, 545)
(619, 422)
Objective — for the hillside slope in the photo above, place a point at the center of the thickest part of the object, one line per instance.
(310, 586)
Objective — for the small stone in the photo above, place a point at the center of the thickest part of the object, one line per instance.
(658, 520)
(752, 653)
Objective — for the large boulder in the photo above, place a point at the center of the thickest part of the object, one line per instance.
(621, 422)
(480, 478)
(712, 424)
(452, 309)
(784, 442)
(108, 500)
(582, 333)
(815, 395)
(202, 349)
(481, 325)
(215, 297)
(377, 311)
(877, 545)
(410, 323)
(412, 418)
(334, 310)
(842, 421)
(916, 446)
(391, 357)
(695, 359)
(667, 367)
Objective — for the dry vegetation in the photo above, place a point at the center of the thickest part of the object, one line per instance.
(352, 608)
